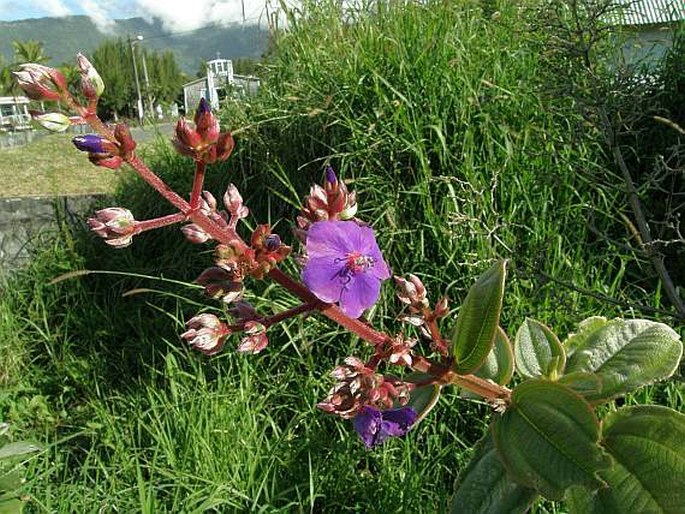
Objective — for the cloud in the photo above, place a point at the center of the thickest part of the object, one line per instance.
(181, 15)
(99, 16)
(52, 7)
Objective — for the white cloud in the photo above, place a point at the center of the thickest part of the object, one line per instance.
(100, 17)
(52, 7)
(181, 15)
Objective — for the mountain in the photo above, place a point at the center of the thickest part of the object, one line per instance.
(63, 37)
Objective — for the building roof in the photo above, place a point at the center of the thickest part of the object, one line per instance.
(651, 12)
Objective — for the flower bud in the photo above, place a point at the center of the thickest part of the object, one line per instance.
(95, 144)
(41, 82)
(234, 202)
(52, 121)
(115, 224)
(195, 234)
(206, 333)
(106, 160)
(224, 146)
(411, 292)
(206, 124)
(123, 136)
(92, 85)
(187, 136)
(256, 339)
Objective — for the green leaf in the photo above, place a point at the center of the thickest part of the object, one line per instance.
(12, 506)
(584, 384)
(625, 354)
(585, 328)
(478, 320)
(646, 443)
(499, 363)
(18, 449)
(11, 480)
(423, 398)
(484, 487)
(547, 439)
(538, 351)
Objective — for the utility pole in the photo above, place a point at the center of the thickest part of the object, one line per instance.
(151, 108)
(133, 42)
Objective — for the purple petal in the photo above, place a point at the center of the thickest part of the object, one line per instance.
(374, 426)
(360, 293)
(330, 238)
(322, 276)
(397, 422)
(89, 143)
(367, 424)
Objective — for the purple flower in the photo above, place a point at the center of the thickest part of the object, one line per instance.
(344, 265)
(375, 426)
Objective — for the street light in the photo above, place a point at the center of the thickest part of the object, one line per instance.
(133, 42)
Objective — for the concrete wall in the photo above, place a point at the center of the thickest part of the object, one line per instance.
(23, 219)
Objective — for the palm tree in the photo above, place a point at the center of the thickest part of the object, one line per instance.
(29, 51)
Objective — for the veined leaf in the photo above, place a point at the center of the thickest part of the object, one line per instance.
(18, 449)
(478, 320)
(547, 439)
(538, 351)
(499, 363)
(625, 354)
(646, 443)
(484, 487)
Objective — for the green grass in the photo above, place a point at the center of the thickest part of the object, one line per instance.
(435, 115)
(48, 166)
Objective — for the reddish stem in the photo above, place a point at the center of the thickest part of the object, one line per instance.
(142, 226)
(198, 181)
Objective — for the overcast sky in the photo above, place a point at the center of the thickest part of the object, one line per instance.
(175, 15)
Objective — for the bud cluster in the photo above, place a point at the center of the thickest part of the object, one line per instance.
(204, 142)
(332, 201)
(360, 386)
(115, 225)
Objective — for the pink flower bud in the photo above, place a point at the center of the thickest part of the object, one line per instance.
(187, 136)
(41, 82)
(206, 124)
(114, 224)
(92, 85)
(123, 136)
(195, 234)
(224, 146)
(206, 333)
(106, 160)
(255, 340)
(411, 292)
(234, 202)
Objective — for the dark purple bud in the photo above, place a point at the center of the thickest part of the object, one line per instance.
(90, 143)
(331, 178)
(203, 107)
(272, 242)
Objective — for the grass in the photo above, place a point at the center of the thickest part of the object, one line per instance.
(48, 166)
(434, 115)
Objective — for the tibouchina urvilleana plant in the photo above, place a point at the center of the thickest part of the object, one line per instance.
(545, 437)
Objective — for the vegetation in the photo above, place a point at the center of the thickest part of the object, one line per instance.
(442, 117)
(114, 58)
(68, 35)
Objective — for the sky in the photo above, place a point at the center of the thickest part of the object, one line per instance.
(175, 15)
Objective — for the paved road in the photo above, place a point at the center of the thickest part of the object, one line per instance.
(149, 132)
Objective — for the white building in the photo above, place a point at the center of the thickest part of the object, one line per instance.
(14, 113)
(649, 28)
(219, 82)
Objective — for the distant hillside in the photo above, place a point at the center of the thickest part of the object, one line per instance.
(64, 37)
